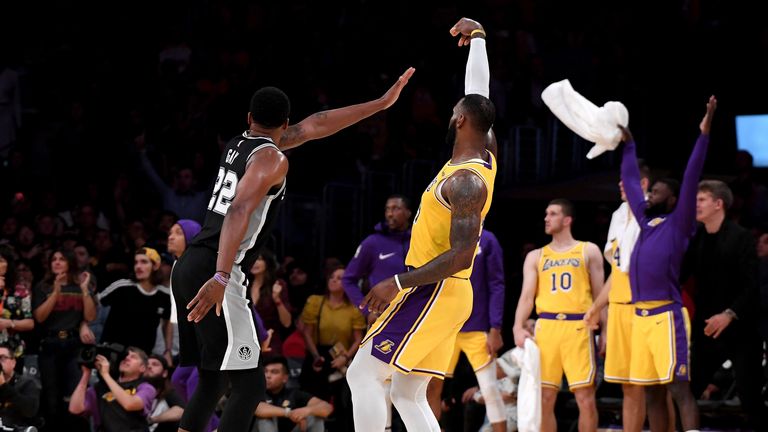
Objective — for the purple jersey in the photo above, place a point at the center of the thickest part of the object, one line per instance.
(379, 256)
(487, 286)
(654, 269)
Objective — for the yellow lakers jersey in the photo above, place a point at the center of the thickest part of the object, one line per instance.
(430, 235)
(563, 281)
(620, 290)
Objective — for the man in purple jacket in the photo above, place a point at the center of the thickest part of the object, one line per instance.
(382, 254)
(660, 326)
(480, 337)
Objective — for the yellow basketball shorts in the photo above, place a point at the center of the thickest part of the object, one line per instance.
(474, 344)
(660, 338)
(618, 344)
(417, 332)
(567, 346)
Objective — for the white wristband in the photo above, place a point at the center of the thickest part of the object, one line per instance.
(397, 282)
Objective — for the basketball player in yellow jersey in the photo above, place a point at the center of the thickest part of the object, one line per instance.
(562, 278)
(617, 328)
(423, 309)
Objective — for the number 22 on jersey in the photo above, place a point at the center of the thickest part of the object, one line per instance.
(223, 191)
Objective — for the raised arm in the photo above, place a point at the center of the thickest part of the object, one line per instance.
(685, 212)
(265, 169)
(326, 123)
(478, 75)
(466, 193)
(527, 297)
(630, 176)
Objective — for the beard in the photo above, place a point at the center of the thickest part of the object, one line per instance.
(656, 210)
(450, 137)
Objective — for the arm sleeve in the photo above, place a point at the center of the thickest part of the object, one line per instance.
(685, 212)
(359, 267)
(630, 176)
(147, 393)
(478, 75)
(746, 304)
(495, 274)
(311, 310)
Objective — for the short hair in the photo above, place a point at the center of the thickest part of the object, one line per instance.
(10, 350)
(403, 198)
(671, 183)
(282, 361)
(564, 204)
(719, 191)
(645, 170)
(140, 352)
(481, 110)
(270, 107)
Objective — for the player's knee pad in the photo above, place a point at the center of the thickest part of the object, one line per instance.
(494, 404)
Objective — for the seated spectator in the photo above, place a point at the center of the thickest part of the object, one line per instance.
(288, 410)
(138, 305)
(168, 406)
(19, 395)
(120, 405)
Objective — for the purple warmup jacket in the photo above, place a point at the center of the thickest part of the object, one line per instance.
(654, 270)
(487, 286)
(379, 256)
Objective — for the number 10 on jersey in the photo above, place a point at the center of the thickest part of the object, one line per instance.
(562, 281)
(223, 191)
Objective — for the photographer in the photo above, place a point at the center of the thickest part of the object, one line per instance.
(19, 395)
(121, 405)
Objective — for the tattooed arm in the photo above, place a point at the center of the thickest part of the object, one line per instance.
(326, 123)
(466, 193)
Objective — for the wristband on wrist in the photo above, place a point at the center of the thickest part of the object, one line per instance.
(287, 411)
(476, 31)
(223, 273)
(221, 280)
(397, 282)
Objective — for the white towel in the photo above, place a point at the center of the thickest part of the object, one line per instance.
(529, 387)
(593, 123)
(625, 230)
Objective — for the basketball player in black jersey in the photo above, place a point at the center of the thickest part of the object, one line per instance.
(248, 191)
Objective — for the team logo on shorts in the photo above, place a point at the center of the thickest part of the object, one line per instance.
(682, 370)
(385, 347)
(244, 352)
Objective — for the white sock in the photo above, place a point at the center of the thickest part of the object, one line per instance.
(494, 405)
(367, 378)
(409, 395)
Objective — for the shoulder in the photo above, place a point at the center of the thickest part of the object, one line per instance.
(163, 290)
(465, 187)
(314, 300)
(533, 255)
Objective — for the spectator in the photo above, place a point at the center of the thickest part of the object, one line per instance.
(19, 394)
(270, 295)
(333, 329)
(299, 288)
(137, 306)
(16, 307)
(116, 406)
(167, 407)
(61, 307)
(181, 198)
(762, 254)
(288, 410)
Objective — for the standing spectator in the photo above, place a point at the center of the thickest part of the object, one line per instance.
(722, 259)
(19, 394)
(270, 296)
(138, 305)
(61, 305)
(16, 307)
(168, 406)
(381, 254)
(288, 410)
(181, 198)
(120, 405)
(333, 329)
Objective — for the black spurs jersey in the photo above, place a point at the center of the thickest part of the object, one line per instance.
(234, 160)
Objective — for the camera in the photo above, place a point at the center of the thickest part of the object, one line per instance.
(112, 351)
